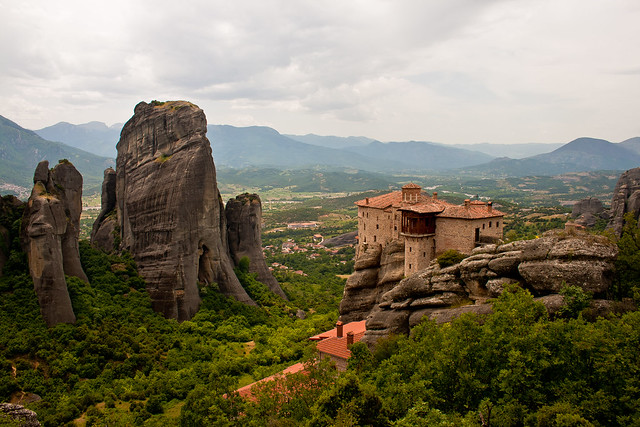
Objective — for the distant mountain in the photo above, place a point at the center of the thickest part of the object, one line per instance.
(338, 142)
(513, 151)
(258, 146)
(21, 150)
(422, 156)
(632, 144)
(580, 155)
(93, 137)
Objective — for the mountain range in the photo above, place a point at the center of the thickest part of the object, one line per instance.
(90, 145)
(21, 150)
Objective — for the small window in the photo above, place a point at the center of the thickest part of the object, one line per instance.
(374, 238)
(424, 254)
(497, 223)
(409, 248)
(483, 226)
(377, 227)
(395, 228)
(364, 226)
(489, 224)
(409, 266)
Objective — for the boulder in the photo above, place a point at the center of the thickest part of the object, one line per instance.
(391, 262)
(19, 415)
(49, 234)
(626, 198)
(170, 213)
(244, 229)
(550, 276)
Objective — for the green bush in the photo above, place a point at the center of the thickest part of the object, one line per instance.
(449, 258)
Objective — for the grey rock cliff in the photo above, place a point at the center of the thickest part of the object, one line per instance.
(588, 211)
(49, 234)
(626, 198)
(542, 265)
(169, 209)
(244, 229)
(105, 226)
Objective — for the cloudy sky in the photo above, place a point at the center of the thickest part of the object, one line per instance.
(450, 71)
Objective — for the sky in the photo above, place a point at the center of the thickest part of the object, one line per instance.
(448, 71)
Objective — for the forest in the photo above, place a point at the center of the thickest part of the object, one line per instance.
(123, 364)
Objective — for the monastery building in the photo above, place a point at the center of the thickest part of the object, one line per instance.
(427, 226)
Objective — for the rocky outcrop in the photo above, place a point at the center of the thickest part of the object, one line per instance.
(105, 227)
(244, 229)
(588, 211)
(49, 234)
(18, 414)
(626, 198)
(170, 213)
(377, 271)
(544, 266)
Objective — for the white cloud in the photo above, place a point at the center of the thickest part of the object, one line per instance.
(451, 71)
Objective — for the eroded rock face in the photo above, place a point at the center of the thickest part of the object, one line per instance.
(170, 213)
(542, 265)
(377, 271)
(626, 198)
(588, 211)
(105, 227)
(244, 229)
(50, 229)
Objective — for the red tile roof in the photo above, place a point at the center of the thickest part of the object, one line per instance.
(355, 327)
(411, 185)
(426, 204)
(338, 346)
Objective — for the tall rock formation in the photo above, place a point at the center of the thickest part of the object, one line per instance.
(588, 211)
(170, 213)
(50, 228)
(244, 229)
(626, 198)
(105, 227)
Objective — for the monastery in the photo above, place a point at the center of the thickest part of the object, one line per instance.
(427, 226)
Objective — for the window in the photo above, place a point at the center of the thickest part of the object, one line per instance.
(409, 248)
(377, 227)
(395, 228)
(365, 239)
(409, 266)
(497, 223)
(483, 226)
(374, 238)
(424, 254)
(364, 226)
(489, 224)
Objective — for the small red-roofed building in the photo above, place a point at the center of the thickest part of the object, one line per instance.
(425, 224)
(335, 343)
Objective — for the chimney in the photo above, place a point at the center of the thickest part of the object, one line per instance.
(367, 200)
(467, 203)
(435, 195)
(489, 207)
(349, 338)
(339, 329)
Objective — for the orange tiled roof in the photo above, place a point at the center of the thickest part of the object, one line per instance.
(355, 327)
(474, 211)
(338, 346)
(426, 204)
(411, 185)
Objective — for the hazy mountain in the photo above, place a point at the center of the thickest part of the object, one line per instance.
(582, 154)
(632, 144)
(338, 142)
(93, 137)
(513, 151)
(21, 150)
(258, 146)
(423, 156)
